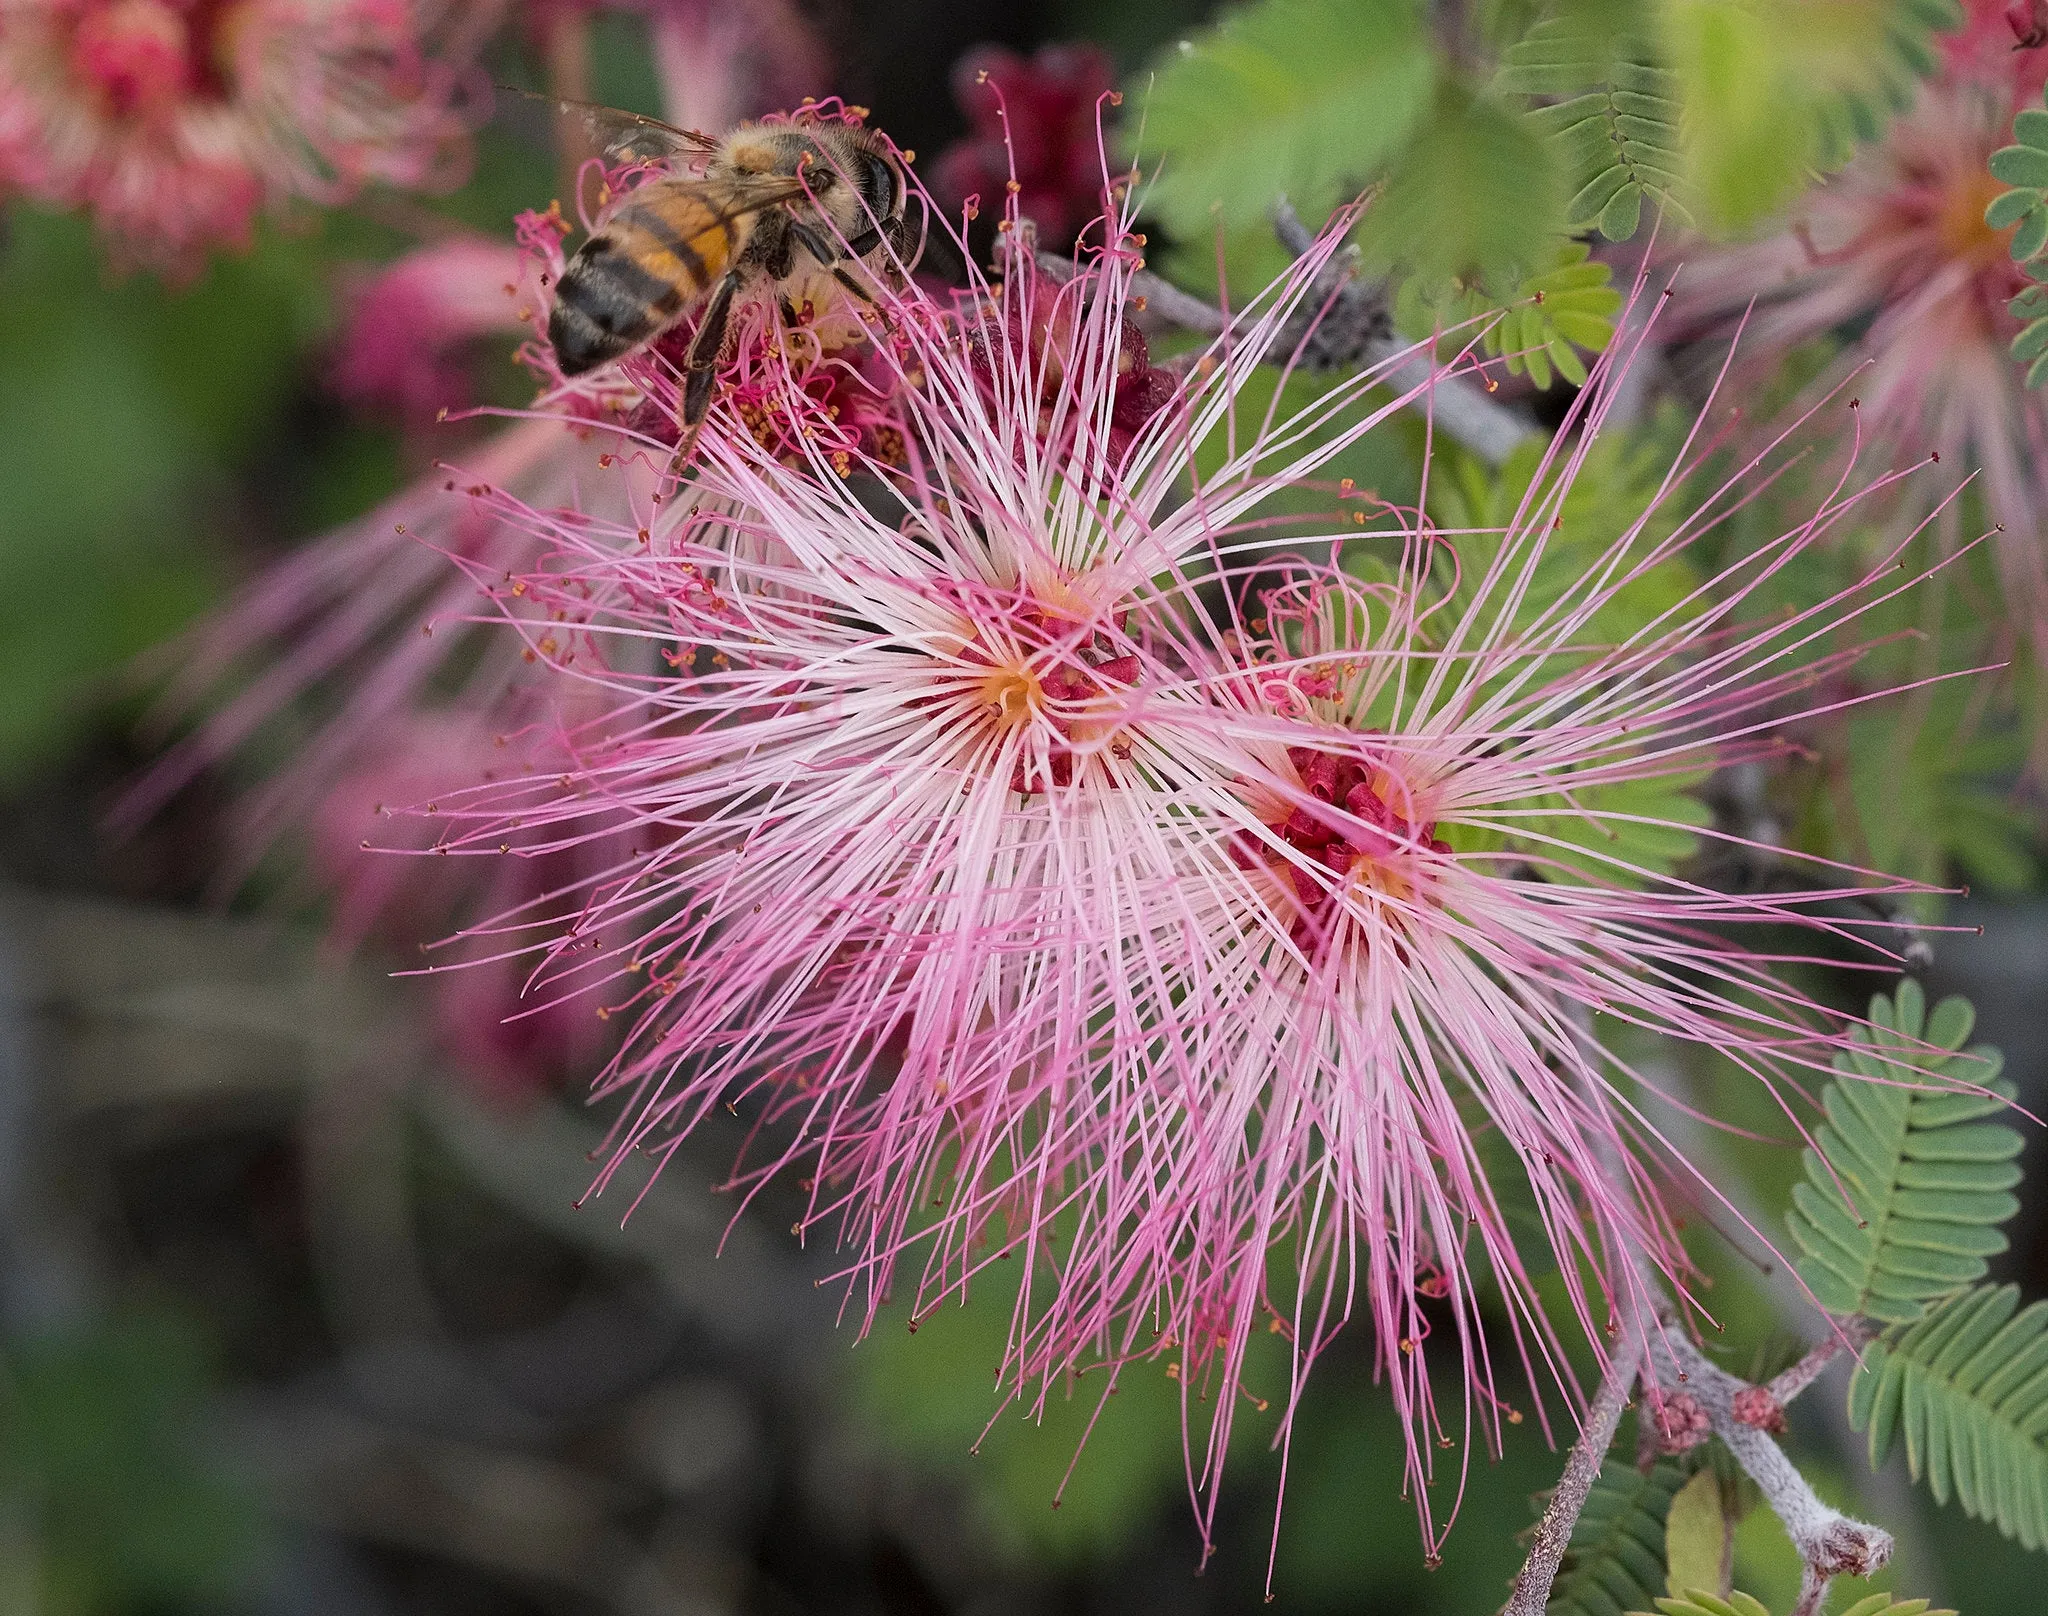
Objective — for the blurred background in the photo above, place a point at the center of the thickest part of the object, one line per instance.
(298, 1309)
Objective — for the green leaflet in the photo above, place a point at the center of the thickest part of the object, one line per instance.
(1616, 1556)
(1927, 1179)
(1967, 1389)
(2024, 210)
(1477, 196)
(1935, 796)
(1699, 1603)
(1696, 1603)
(1541, 327)
(1612, 116)
(1773, 88)
(1286, 97)
(1698, 1534)
(1316, 102)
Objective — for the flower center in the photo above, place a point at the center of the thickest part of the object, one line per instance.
(1055, 691)
(1376, 847)
(1016, 693)
(143, 56)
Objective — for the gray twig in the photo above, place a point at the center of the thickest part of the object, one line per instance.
(1554, 1531)
(1832, 1544)
(1489, 430)
(1345, 324)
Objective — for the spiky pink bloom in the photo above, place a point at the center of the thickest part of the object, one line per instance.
(1896, 244)
(411, 326)
(174, 122)
(1033, 915)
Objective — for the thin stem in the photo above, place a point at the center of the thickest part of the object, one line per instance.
(1463, 411)
(1554, 1531)
(1788, 1385)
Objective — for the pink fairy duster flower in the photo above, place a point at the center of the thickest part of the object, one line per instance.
(366, 635)
(1897, 244)
(916, 819)
(1034, 122)
(174, 122)
(1444, 830)
(410, 327)
(1034, 917)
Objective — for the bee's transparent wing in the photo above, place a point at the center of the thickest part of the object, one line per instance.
(627, 136)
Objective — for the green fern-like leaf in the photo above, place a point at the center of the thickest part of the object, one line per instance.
(1612, 117)
(1928, 1178)
(2024, 211)
(1772, 88)
(1967, 1388)
(1616, 1555)
(1885, 1605)
(1936, 797)
(1696, 1603)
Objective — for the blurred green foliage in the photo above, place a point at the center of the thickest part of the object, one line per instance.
(124, 413)
(1487, 144)
(110, 1502)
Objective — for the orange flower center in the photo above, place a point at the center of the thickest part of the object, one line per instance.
(1046, 680)
(1960, 225)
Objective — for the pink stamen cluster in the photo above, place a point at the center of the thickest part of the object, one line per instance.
(1896, 246)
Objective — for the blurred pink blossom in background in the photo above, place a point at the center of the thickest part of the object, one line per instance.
(1896, 245)
(176, 121)
(411, 325)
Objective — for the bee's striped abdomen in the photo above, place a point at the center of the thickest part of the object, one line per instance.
(655, 257)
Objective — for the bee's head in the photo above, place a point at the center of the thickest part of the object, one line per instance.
(856, 180)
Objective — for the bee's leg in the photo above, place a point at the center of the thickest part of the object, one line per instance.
(907, 239)
(815, 242)
(700, 370)
(866, 242)
(853, 286)
(912, 241)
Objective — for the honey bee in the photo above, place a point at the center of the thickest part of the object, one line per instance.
(761, 198)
